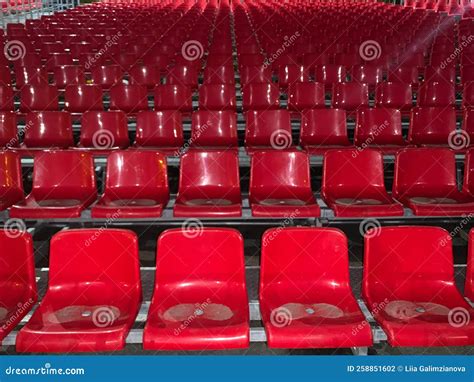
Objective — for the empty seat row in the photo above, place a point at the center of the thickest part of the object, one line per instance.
(136, 185)
(200, 300)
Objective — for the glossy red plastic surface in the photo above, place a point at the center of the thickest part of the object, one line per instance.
(255, 75)
(17, 279)
(350, 96)
(39, 98)
(280, 185)
(436, 94)
(104, 130)
(159, 129)
(305, 95)
(209, 185)
(330, 74)
(406, 74)
(367, 74)
(468, 95)
(5, 76)
(6, 99)
(94, 294)
(432, 125)
(30, 76)
(48, 129)
(323, 129)
(186, 75)
(8, 130)
(63, 186)
(219, 75)
(129, 98)
(395, 95)
(353, 184)
(429, 188)
(408, 284)
(68, 75)
(147, 75)
(82, 98)
(291, 74)
(260, 96)
(469, 287)
(107, 76)
(173, 97)
(200, 299)
(136, 186)
(305, 297)
(217, 97)
(267, 129)
(214, 129)
(379, 128)
(11, 184)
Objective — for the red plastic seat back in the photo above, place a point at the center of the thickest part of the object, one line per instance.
(432, 125)
(268, 128)
(9, 136)
(136, 175)
(255, 75)
(397, 95)
(30, 76)
(306, 95)
(378, 127)
(468, 95)
(159, 129)
(278, 174)
(219, 75)
(217, 97)
(434, 174)
(330, 74)
(367, 74)
(64, 175)
(82, 98)
(186, 75)
(323, 127)
(48, 129)
(350, 95)
(469, 288)
(104, 129)
(107, 76)
(173, 97)
(400, 259)
(5, 76)
(11, 183)
(209, 175)
(6, 98)
(260, 96)
(129, 98)
(68, 75)
(103, 261)
(147, 75)
(39, 98)
(436, 94)
(404, 74)
(214, 129)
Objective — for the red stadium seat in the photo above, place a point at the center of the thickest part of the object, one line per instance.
(17, 278)
(104, 130)
(323, 129)
(267, 129)
(305, 95)
(408, 285)
(5, 76)
(30, 76)
(136, 186)
(255, 75)
(9, 137)
(280, 185)
(430, 187)
(47, 130)
(11, 185)
(56, 60)
(94, 294)
(350, 96)
(395, 95)
(436, 94)
(186, 75)
(330, 74)
(217, 97)
(209, 185)
(219, 75)
(367, 74)
(305, 295)
(260, 96)
(405, 74)
(438, 74)
(468, 95)
(129, 98)
(160, 130)
(353, 184)
(379, 128)
(469, 287)
(147, 75)
(432, 125)
(68, 75)
(213, 292)
(82, 98)
(39, 98)
(6, 98)
(107, 76)
(63, 186)
(214, 129)
(173, 97)
(291, 74)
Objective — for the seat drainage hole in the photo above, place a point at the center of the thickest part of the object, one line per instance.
(310, 311)
(198, 312)
(86, 313)
(420, 309)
